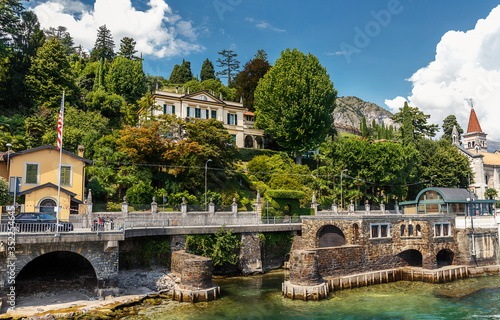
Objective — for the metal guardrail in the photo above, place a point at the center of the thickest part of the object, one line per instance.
(118, 224)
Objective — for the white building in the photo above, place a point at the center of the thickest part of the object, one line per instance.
(484, 164)
(202, 105)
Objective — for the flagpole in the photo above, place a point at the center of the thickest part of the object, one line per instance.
(59, 146)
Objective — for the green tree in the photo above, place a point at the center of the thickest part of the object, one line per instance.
(108, 104)
(294, 102)
(261, 54)
(207, 71)
(103, 46)
(64, 37)
(227, 61)
(448, 123)
(5, 198)
(407, 129)
(364, 128)
(419, 122)
(80, 128)
(50, 74)
(222, 247)
(126, 78)
(490, 193)
(127, 48)
(181, 73)
(10, 12)
(248, 79)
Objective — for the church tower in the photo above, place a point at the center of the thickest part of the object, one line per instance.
(475, 138)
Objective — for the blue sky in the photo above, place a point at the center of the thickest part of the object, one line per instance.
(400, 44)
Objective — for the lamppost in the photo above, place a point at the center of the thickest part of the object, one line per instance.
(431, 179)
(8, 159)
(206, 163)
(341, 176)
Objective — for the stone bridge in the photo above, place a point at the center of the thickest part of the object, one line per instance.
(96, 244)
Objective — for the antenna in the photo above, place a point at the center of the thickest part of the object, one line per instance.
(471, 103)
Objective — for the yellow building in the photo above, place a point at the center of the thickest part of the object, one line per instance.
(38, 168)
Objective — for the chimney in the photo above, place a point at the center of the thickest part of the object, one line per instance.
(220, 96)
(176, 89)
(241, 99)
(188, 90)
(81, 148)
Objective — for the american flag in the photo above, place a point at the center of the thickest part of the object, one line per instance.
(60, 124)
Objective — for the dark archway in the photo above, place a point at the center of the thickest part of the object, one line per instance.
(412, 258)
(330, 236)
(445, 258)
(55, 270)
(249, 142)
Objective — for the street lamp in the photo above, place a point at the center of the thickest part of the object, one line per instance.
(431, 179)
(206, 163)
(341, 176)
(8, 159)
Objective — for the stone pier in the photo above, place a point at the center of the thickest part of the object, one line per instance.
(196, 278)
(250, 253)
(305, 281)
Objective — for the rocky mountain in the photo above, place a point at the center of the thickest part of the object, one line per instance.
(350, 112)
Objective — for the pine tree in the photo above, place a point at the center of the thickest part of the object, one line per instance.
(181, 73)
(228, 63)
(364, 128)
(104, 44)
(407, 130)
(127, 48)
(207, 71)
(61, 34)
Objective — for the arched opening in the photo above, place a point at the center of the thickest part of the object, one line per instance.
(56, 272)
(410, 230)
(355, 228)
(248, 142)
(444, 258)
(260, 142)
(47, 205)
(286, 210)
(330, 236)
(402, 230)
(418, 231)
(412, 258)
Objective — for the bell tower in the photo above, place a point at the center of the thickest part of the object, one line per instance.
(475, 138)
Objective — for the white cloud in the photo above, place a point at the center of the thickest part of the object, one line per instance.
(395, 104)
(260, 24)
(466, 65)
(157, 31)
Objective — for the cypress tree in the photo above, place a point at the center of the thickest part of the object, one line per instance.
(364, 128)
(407, 130)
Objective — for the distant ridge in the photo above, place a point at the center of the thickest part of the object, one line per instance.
(350, 111)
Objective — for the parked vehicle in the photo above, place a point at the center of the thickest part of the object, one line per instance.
(40, 222)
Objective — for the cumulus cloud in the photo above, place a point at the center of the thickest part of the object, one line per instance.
(466, 65)
(158, 31)
(263, 25)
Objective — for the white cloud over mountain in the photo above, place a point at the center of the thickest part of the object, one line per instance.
(466, 65)
(158, 31)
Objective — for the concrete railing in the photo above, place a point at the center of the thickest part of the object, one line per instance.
(476, 222)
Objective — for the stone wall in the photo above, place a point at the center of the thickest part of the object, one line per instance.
(363, 252)
(250, 253)
(486, 247)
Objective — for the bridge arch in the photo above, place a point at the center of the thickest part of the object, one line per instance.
(330, 236)
(411, 257)
(59, 265)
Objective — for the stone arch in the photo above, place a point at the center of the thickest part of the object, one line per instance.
(59, 261)
(259, 142)
(330, 236)
(47, 204)
(444, 257)
(411, 257)
(248, 143)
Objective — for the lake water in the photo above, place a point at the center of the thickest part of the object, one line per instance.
(259, 297)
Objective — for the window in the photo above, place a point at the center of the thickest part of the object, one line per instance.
(168, 109)
(417, 229)
(66, 175)
(214, 114)
(31, 173)
(232, 119)
(402, 230)
(442, 229)
(410, 230)
(380, 230)
(190, 112)
(197, 113)
(204, 98)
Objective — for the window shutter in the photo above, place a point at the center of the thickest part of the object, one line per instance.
(228, 119)
(164, 109)
(173, 109)
(235, 119)
(188, 113)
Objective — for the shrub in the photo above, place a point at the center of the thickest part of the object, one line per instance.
(222, 247)
(140, 194)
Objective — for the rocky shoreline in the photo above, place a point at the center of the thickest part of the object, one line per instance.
(67, 300)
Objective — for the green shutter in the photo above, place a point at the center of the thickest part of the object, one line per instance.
(31, 173)
(65, 175)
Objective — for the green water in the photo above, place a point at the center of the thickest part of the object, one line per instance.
(259, 297)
